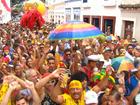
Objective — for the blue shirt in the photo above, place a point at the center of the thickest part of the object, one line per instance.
(130, 85)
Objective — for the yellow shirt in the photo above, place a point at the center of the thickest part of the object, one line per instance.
(69, 101)
(3, 92)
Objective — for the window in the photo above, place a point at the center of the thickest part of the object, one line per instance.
(96, 20)
(76, 12)
(68, 14)
(86, 19)
(85, 1)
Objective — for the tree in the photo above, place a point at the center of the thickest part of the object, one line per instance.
(13, 2)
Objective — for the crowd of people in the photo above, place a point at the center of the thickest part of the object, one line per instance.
(37, 71)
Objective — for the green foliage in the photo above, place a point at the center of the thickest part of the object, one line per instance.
(101, 39)
(17, 8)
(14, 2)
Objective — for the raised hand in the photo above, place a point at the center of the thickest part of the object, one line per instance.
(8, 79)
(57, 73)
(29, 85)
(14, 85)
(46, 49)
(63, 79)
(18, 50)
(121, 78)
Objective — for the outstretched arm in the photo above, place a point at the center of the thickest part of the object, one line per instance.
(20, 81)
(43, 81)
(134, 93)
(14, 85)
(36, 98)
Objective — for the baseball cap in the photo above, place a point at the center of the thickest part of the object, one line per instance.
(133, 40)
(107, 49)
(93, 57)
(88, 48)
(137, 47)
(91, 97)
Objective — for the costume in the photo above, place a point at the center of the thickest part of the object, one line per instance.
(68, 100)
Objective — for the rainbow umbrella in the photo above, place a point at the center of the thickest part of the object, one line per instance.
(122, 64)
(74, 30)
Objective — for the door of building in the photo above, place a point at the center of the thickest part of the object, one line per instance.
(128, 29)
(108, 25)
(96, 20)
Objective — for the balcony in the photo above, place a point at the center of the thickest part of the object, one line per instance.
(130, 4)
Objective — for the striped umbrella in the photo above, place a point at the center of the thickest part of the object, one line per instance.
(122, 64)
(74, 30)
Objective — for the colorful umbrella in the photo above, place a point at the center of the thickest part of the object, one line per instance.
(74, 30)
(122, 64)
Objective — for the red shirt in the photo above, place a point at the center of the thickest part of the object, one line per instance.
(88, 71)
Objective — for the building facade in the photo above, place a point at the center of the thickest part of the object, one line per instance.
(130, 13)
(56, 11)
(103, 14)
(111, 16)
(73, 10)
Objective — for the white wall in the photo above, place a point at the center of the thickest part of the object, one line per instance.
(57, 9)
(102, 8)
(72, 5)
(97, 8)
